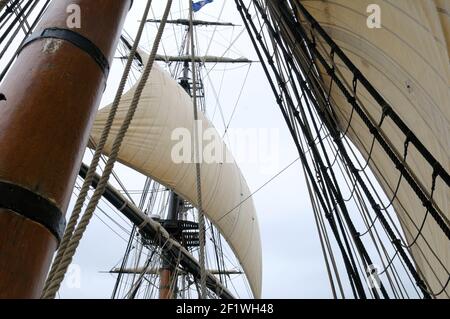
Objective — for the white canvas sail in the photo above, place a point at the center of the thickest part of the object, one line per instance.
(147, 148)
(407, 61)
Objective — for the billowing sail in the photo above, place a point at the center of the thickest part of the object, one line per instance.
(406, 59)
(165, 107)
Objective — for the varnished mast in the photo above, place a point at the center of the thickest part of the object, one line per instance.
(52, 93)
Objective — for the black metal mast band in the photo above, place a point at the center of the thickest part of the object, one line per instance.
(32, 206)
(74, 38)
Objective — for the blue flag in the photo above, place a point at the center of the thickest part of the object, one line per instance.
(196, 6)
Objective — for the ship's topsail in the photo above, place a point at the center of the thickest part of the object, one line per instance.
(407, 60)
(148, 146)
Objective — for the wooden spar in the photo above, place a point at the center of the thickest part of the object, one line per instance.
(180, 272)
(188, 58)
(167, 278)
(149, 230)
(201, 59)
(52, 92)
(186, 22)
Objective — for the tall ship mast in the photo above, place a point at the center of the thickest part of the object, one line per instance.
(101, 122)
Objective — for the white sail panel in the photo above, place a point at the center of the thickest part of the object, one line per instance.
(147, 148)
(407, 61)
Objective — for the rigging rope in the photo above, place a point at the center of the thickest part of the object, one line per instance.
(329, 179)
(14, 55)
(408, 215)
(197, 158)
(322, 243)
(17, 20)
(255, 35)
(291, 114)
(81, 227)
(237, 101)
(23, 21)
(3, 4)
(376, 132)
(407, 142)
(96, 157)
(311, 49)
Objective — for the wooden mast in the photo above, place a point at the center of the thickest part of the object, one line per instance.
(167, 275)
(52, 93)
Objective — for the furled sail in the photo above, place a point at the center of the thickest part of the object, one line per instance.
(147, 148)
(407, 61)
